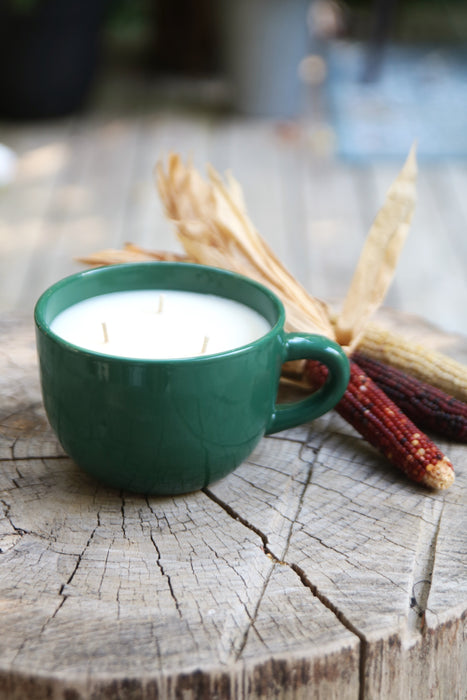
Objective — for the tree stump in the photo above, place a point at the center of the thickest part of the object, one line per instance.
(314, 571)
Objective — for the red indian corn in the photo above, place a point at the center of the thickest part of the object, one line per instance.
(429, 407)
(372, 413)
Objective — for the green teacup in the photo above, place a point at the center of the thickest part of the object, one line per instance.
(169, 426)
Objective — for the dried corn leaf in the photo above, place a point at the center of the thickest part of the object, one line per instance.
(129, 253)
(214, 229)
(378, 260)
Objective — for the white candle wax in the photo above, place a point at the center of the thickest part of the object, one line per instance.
(159, 324)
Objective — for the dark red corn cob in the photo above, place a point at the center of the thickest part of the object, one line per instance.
(429, 407)
(367, 408)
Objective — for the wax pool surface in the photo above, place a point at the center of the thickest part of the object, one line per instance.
(165, 324)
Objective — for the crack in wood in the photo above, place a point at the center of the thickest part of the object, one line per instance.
(259, 488)
(253, 617)
(342, 619)
(12, 447)
(285, 438)
(27, 458)
(324, 600)
(422, 574)
(122, 510)
(7, 508)
(80, 558)
(159, 562)
(166, 576)
(298, 571)
(60, 592)
(104, 568)
(265, 548)
(236, 516)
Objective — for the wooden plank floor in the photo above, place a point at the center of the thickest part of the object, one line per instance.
(85, 182)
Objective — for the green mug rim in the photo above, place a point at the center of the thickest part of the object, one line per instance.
(44, 327)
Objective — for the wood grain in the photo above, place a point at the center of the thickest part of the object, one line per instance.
(315, 570)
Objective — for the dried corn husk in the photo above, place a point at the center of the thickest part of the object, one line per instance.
(129, 253)
(378, 260)
(213, 227)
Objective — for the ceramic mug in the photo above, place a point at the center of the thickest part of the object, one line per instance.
(170, 426)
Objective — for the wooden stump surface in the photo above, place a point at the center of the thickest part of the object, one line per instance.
(314, 571)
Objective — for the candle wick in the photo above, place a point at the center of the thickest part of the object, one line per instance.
(104, 331)
(161, 304)
(205, 344)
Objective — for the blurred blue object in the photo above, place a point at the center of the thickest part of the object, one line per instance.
(420, 95)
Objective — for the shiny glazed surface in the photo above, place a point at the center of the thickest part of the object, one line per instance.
(172, 426)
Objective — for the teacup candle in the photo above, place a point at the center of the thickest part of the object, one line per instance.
(162, 377)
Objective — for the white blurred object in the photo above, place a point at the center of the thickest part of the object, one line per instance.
(326, 19)
(7, 165)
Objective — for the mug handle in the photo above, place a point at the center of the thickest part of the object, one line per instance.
(299, 346)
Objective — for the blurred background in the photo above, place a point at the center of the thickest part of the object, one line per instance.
(313, 105)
